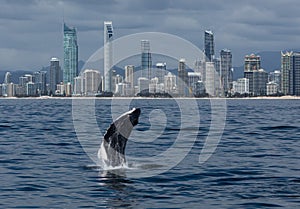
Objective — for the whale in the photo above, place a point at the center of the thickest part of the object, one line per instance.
(112, 148)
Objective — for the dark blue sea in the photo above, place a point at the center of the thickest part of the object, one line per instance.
(44, 162)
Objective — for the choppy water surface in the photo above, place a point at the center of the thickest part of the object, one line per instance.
(256, 164)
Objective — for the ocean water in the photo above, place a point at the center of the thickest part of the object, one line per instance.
(43, 164)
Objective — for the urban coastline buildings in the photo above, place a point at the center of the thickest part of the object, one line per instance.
(212, 76)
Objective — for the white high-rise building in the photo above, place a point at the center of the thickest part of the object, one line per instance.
(108, 55)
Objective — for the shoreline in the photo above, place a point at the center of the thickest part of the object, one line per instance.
(154, 98)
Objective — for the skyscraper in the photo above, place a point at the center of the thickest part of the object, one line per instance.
(146, 59)
(225, 72)
(182, 78)
(294, 75)
(209, 47)
(55, 74)
(70, 70)
(251, 68)
(108, 55)
(285, 71)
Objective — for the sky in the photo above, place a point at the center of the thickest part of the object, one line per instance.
(31, 30)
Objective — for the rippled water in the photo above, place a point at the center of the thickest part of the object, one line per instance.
(256, 164)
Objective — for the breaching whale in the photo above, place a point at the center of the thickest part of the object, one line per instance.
(112, 149)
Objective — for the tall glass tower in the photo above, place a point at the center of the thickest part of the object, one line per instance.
(70, 70)
(108, 55)
(209, 45)
(146, 59)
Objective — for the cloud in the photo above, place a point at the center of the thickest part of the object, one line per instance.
(34, 27)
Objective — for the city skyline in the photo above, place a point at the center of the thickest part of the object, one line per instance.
(272, 26)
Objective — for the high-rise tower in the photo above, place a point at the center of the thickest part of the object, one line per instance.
(294, 78)
(70, 70)
(146, 59)
(285, 71)
(209, 47)
(108, 55)
(182, 78)
(225, 72)
(55, 74)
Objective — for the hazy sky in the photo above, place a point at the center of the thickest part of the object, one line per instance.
(31, 30)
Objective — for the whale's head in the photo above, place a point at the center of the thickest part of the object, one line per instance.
(134, 115)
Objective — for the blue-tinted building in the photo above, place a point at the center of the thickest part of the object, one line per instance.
(70, 70)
